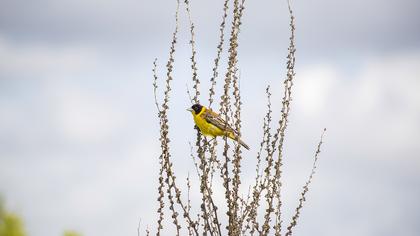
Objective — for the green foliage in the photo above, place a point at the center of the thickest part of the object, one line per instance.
(71, 233)
(10, 223)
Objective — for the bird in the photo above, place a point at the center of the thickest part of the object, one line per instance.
(211, 124)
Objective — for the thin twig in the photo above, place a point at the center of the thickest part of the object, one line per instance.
(138, 227)
(219, 52)
(189, 94)
(155, 86)
(305, 188)
(193, 54)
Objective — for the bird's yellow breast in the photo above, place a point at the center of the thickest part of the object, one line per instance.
(205, 127)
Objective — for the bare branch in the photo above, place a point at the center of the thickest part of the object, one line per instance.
(305, 188)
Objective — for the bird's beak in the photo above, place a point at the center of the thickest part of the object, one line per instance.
(189, 109)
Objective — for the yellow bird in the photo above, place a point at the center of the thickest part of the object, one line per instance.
(211, 124)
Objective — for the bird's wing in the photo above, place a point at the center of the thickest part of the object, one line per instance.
(215, 119)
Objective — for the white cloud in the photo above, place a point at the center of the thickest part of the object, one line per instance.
(37, 59)
(372, 108)
(83, 116)
(314, 86)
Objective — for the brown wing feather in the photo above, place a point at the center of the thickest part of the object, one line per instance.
(215, 119)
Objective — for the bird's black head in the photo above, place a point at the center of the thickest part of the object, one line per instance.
(197, 108)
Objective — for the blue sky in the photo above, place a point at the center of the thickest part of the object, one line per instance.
(78, 127)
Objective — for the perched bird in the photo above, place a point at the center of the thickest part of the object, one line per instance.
(211, 124)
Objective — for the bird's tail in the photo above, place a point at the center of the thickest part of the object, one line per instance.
(237, 139)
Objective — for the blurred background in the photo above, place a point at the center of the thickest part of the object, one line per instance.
(79, 131)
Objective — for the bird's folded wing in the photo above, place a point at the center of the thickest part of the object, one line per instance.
(215, 119)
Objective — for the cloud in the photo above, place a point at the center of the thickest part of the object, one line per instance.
(73, 138)
(315, 84)
(84, 118)
(333, 32)
(378, 101)
(34, 60)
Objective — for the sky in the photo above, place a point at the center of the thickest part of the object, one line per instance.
(78, 128)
